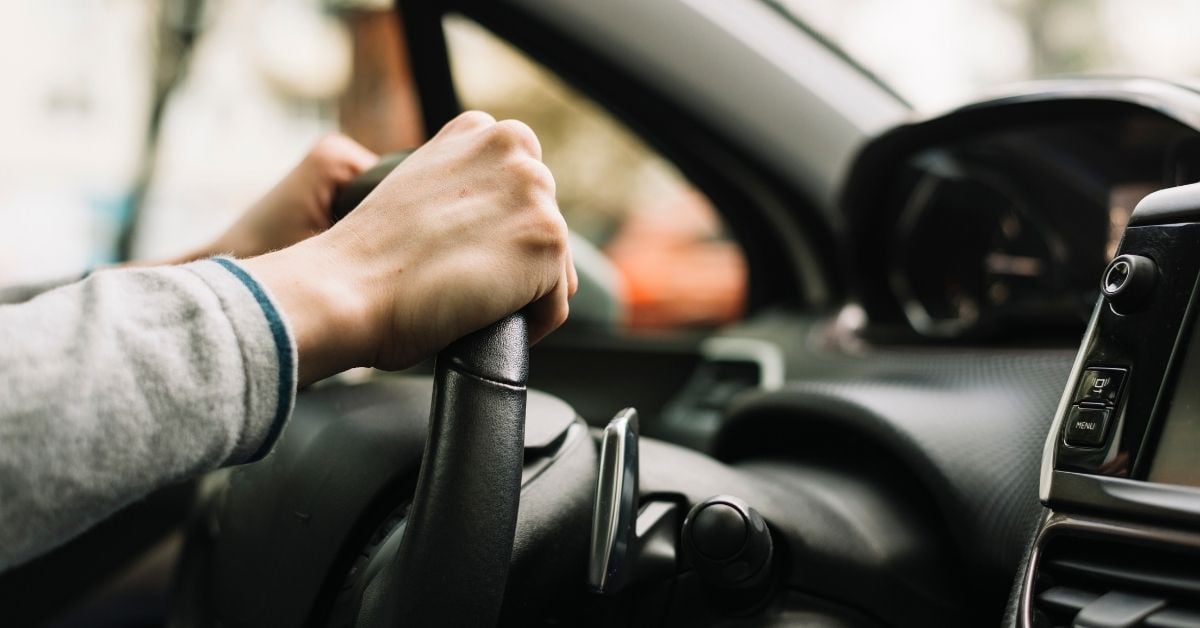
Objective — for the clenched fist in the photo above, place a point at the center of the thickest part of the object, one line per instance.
(462, 233)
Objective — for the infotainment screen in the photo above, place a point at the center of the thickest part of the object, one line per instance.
(1177, 460)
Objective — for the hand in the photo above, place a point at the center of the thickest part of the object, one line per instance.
(298, 206)
(462, 233)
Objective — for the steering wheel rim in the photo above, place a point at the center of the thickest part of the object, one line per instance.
(452, 564)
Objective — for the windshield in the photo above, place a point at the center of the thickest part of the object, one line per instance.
(935, 53)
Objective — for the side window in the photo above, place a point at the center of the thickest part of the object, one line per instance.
(145, 128)
(665, 253)
(263, 82)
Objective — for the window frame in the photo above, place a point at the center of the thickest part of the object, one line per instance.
(778, 228)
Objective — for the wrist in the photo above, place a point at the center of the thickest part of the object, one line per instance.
(196, 254)
(231, 243)
(326, 312)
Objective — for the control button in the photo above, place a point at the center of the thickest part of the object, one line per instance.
(1127, 281)
(1117, 276)
(1100, 385)
(1086, 426)
(729, 545)
(719, 531)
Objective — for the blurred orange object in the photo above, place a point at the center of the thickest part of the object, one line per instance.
(379, 108)
(677, 268)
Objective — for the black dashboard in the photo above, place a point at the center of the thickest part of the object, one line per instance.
(992, 222)
(1119, 472)
(899, 467)
(976, 243)
(1016, 225)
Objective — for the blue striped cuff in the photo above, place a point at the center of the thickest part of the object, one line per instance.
(283, 348)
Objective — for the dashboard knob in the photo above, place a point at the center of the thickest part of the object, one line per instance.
(719, 531)
(728, 543)
(1127, 281)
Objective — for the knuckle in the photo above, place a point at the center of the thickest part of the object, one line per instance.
(552, 230)
(520, 135)
(524, 172)
(560, 313)
(473, 119)
(326, 147)
(500, 137)
(542, 179)
(533, 177)
(476, 117)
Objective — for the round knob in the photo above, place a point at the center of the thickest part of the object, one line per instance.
(727, 542)
(719, 531)
(1127, 281)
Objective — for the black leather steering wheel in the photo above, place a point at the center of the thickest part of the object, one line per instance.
(453, 561)
(452, 564)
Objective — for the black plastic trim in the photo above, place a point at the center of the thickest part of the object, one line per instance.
(1058, 523)
(869, 183)
(422, 23)
(1177, 204)
(1119, 497)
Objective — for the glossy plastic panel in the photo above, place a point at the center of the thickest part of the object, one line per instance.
(1142, 340)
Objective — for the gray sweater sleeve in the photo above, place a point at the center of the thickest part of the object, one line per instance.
(20, 293)
(127, 381)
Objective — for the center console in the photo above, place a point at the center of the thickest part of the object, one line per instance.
(1120, 545)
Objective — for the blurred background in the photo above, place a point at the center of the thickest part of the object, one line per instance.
(139, 128)
(936, 53)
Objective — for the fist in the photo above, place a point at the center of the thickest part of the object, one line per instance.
(463, 232)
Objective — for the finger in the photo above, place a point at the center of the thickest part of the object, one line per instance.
(342, 158)
(358, 157)
(549, 312)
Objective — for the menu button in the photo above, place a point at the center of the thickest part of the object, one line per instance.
(1086, 427)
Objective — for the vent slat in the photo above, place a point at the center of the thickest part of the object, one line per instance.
(1066, 599)
(1173, 618)
(1076, 573)
(1144, 576)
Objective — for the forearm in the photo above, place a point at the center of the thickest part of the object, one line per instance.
(125, 382)
(193, 255)
(22, 292)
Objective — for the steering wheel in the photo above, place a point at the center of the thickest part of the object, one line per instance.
(451, 568)
(332, 529)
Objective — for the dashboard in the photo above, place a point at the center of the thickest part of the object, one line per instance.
(1120, 475)
(982, 244)
(992, 222)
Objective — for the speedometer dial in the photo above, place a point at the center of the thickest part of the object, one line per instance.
(969, 253)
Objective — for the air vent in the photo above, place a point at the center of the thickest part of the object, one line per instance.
(1096, 582)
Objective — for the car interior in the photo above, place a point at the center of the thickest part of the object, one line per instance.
(956, 385)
